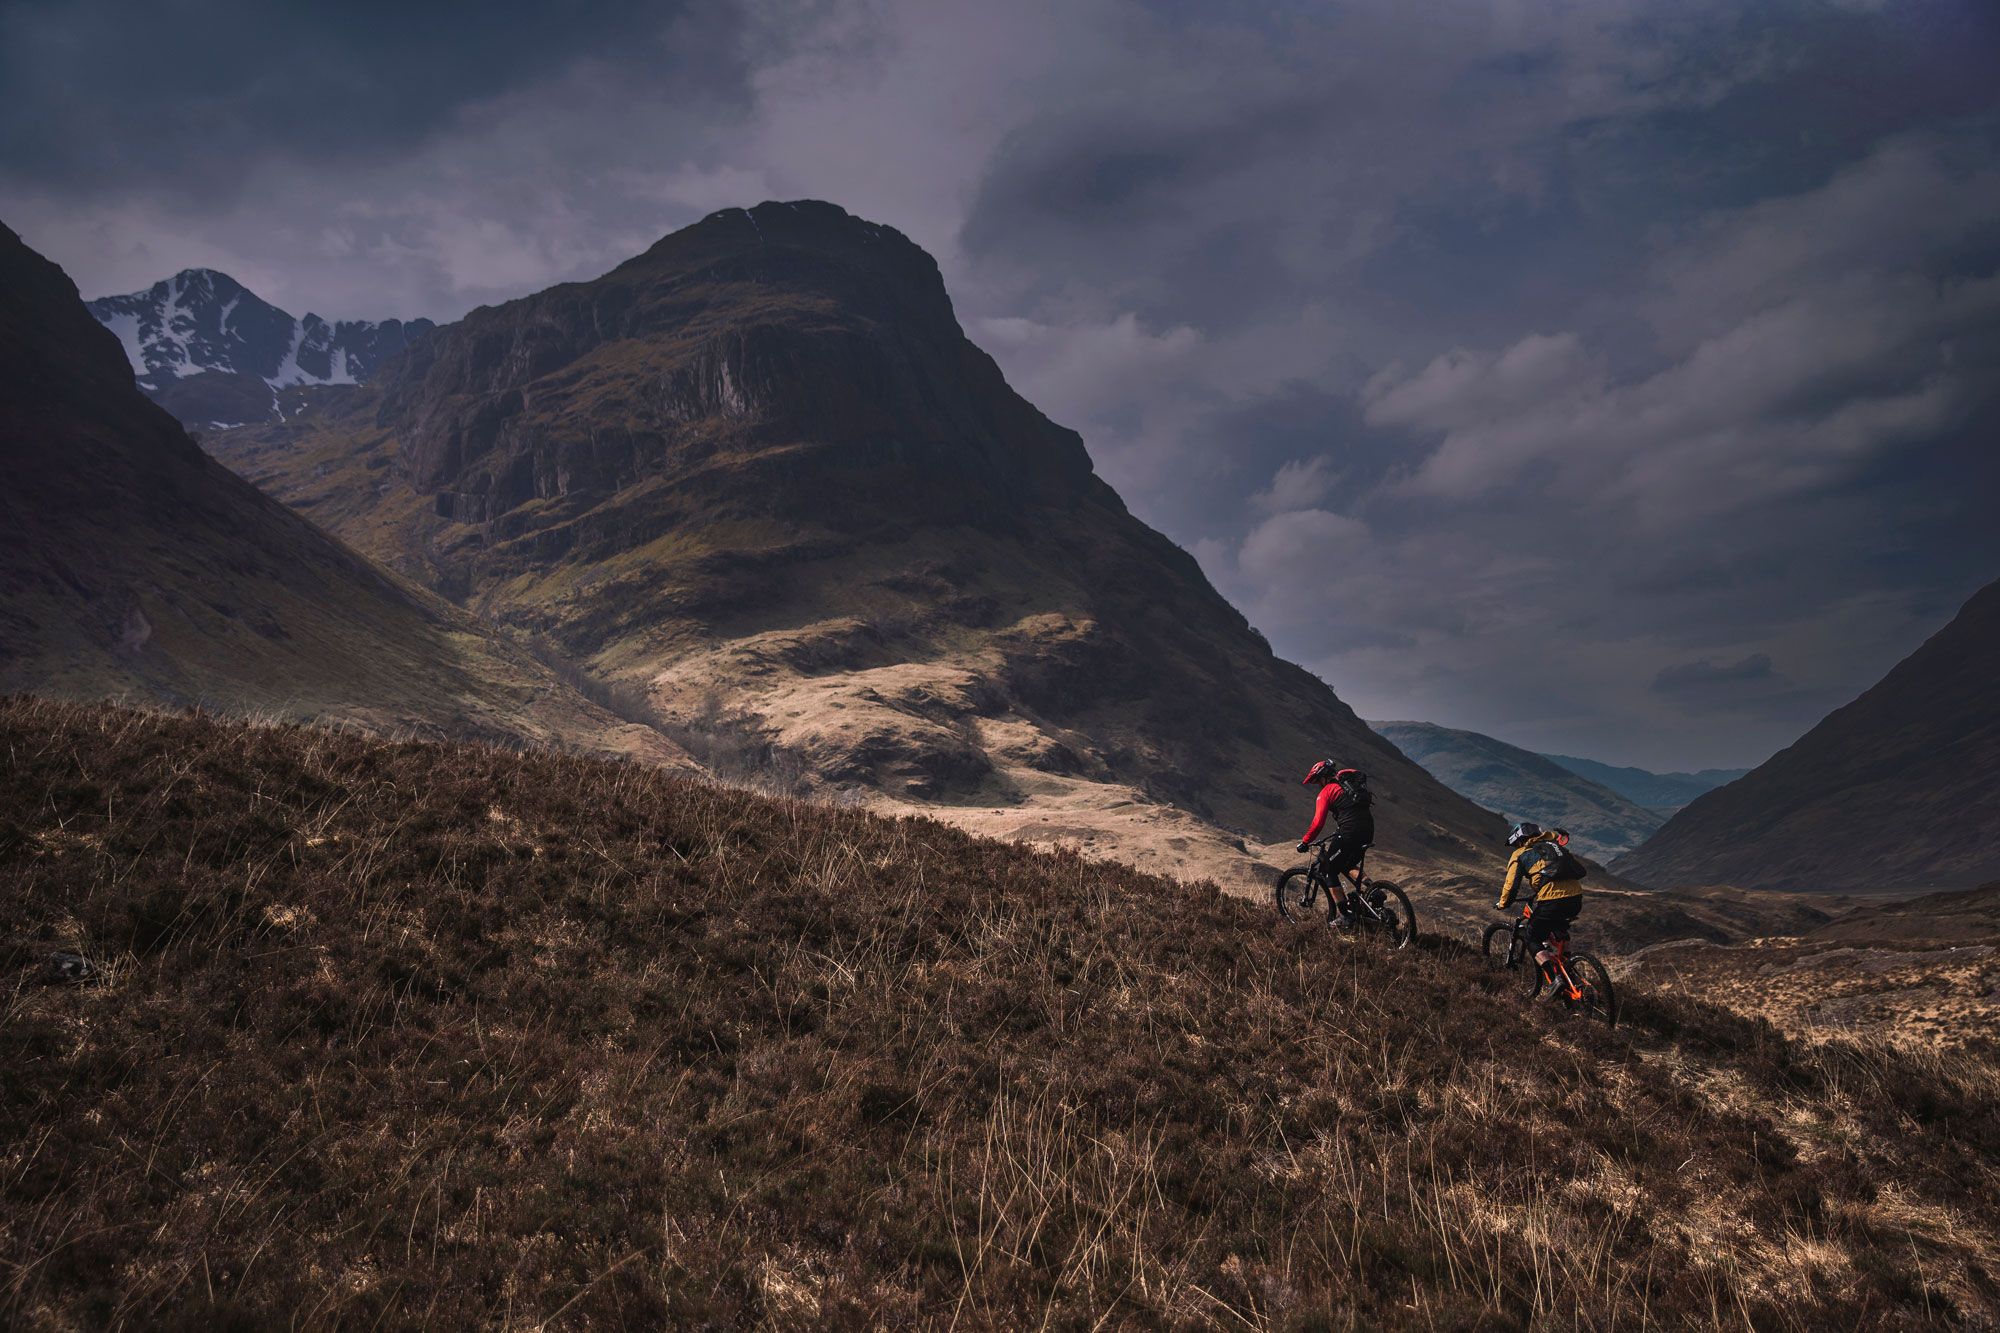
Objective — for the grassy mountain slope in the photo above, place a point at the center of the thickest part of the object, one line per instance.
(1894, 791)
(131, 564)
(1660, 792)
(761, 472)
(420, 1034)
(1522, 785)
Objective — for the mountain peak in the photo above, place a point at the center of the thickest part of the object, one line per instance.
(211, 278)
(790, 325)
(797, 220)
(767, 241)
(212, 352)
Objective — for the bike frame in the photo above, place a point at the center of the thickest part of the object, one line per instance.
(1517, 952)
(1355, 878)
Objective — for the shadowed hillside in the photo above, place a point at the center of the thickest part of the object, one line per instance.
(133, 565)
(1892, 792)
(419, 1034)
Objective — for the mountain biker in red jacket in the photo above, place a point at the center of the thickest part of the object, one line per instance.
(1343, 798)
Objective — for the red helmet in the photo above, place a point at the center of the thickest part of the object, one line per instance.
(1324, 771)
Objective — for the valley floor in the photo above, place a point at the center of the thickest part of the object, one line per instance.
(435, 1035)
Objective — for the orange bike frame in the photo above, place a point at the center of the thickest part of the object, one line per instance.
(1561, 964)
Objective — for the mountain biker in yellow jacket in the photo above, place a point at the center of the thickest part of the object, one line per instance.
(1537, 858)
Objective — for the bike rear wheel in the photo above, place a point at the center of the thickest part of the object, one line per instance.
(1598, 999)
(1297, 896)
(1393, 920)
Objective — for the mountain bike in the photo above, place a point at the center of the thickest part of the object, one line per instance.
(1381, 910)
(1582, 986)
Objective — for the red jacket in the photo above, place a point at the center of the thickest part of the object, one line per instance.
(1327, 796)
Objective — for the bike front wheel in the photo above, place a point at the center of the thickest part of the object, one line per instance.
(1497, 944)
(1297, 895)
(1388, 914)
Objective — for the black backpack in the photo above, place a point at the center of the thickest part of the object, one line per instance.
(1565, 865)
(1355, 798)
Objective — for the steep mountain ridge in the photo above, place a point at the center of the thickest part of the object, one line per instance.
(1662, 793)
(1522, 785)
(760, 471)
(213, 353)
(1894, 791)
(132, 564)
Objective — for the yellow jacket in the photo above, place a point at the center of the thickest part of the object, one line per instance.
(1546, 889)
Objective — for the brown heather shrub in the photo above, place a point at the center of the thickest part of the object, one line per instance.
(421, 1035)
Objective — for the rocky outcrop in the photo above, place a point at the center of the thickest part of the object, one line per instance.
(793, 325)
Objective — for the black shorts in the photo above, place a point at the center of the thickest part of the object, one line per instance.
(1341, 854)
(1552, 918)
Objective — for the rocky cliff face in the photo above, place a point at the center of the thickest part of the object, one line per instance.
(211, 352)
(1894, 791)
(133, 564)
(760, 472)
(793, 325)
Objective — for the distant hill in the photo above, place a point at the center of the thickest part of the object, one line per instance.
(1894, 791)
(446, 1036)
(134, 565)
(1662, 792)
(1956, 915)
(1523, 785)
(213, 353)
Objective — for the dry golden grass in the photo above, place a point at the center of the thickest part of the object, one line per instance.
(430, 1035)
(1908, 992)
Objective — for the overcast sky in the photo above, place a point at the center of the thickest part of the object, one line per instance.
(1617, 377)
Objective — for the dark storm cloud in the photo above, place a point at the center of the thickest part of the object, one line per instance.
(366, 160)
(1706, 677)
(1496, 359)
(1061, 185)
(183, 91)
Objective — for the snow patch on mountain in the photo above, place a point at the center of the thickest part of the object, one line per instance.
(125, 323)
(289, 371)
(200, 337)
